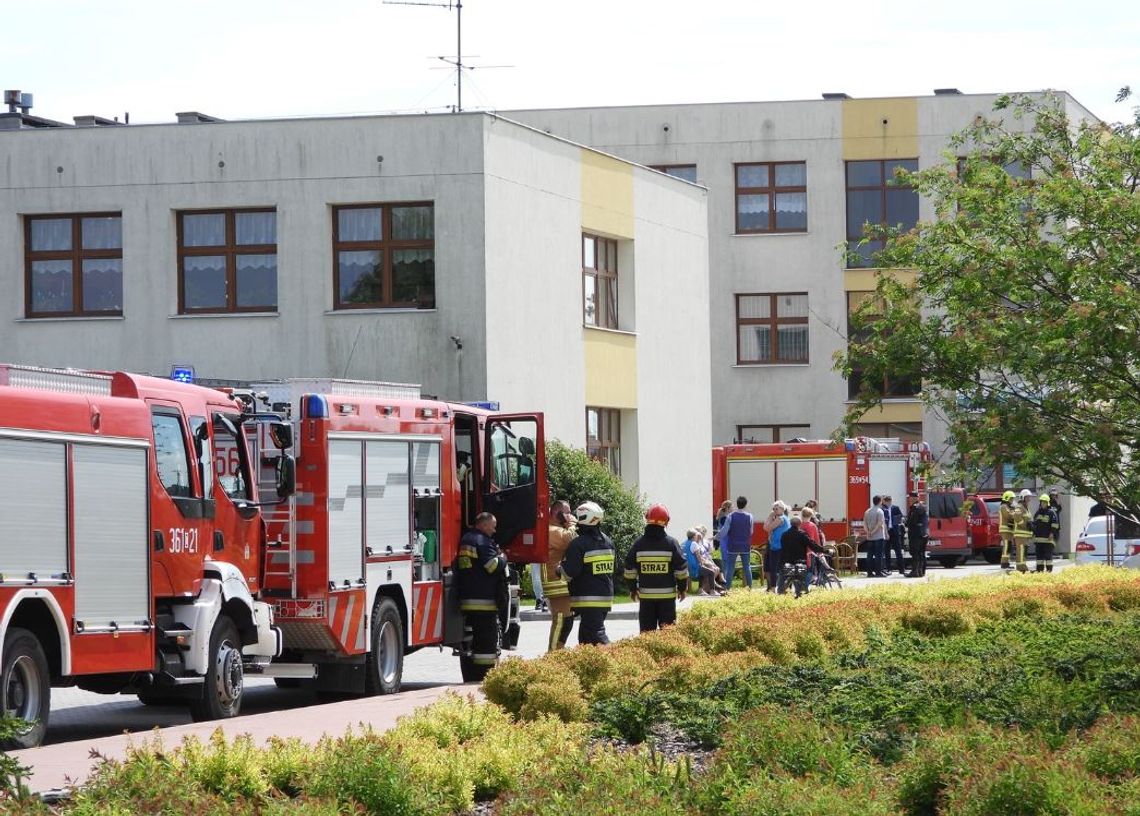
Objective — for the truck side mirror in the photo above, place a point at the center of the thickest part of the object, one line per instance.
(286, 476)
(282, 434)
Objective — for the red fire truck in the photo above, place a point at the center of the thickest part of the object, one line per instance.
(358, 560)
(125, 565)
(135, 555)
(841, 476)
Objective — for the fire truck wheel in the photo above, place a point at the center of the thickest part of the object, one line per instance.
(26, 687)
(948, 561)
(385, 665)
(222, 692)
(992, 555)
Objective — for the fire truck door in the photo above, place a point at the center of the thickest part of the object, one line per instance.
(514, 484)
(236, 522)
(181, 512)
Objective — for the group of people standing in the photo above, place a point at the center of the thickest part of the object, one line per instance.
(1017, 527)
(792, 533)
(884, 527)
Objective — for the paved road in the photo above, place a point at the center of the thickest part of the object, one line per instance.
(81, 721)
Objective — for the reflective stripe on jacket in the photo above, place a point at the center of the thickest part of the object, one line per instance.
(655, 565)
(589, 566)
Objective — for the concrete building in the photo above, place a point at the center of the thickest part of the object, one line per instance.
(479, 257)
(790, 183)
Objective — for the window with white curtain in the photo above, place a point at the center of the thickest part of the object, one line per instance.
(74, 265)
(772, 328)
(771, 197)
(227, 261)
(384, 256)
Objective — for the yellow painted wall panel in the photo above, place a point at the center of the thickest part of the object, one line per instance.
(895, 412)
(611, 368)
(866, 137)
(607, 195)
(863, 280)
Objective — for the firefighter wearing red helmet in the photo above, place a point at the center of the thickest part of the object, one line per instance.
(657, 572)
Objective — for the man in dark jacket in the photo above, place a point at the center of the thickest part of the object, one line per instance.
(917, 531)
(894, 518)
(481, 570)
(794, 550)
(589, 564)
(657, 571)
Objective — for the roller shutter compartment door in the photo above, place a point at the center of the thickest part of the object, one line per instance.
(346, 512)
(389, 503)
(112, 567)
(33, 507)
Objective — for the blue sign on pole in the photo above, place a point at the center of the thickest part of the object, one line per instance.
(182, 373)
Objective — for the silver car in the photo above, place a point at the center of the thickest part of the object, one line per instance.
(1092, 543)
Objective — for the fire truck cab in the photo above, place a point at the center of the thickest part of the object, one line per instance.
(359, 562)
(129, 560)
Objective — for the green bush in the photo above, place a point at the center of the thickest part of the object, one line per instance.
(1111, 749)
(506, 684)
(1027, 785)
(560, 697)
(577, 478)
(354, 770)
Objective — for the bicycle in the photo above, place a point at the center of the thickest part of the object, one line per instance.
(797, 574)
(823, 574)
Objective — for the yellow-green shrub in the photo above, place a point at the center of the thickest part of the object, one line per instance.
(560, 697)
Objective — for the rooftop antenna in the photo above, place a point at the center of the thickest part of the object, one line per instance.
(456, 63)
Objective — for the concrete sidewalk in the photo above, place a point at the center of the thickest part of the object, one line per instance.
(62, 766)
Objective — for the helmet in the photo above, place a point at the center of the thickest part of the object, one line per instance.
(657, 514)
(1007, 495)
(1044, 498)
(589, 514)
(1025, 493)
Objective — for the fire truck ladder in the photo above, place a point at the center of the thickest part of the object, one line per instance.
(282, 520)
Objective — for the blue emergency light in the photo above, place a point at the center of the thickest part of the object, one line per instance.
(486, 405)
(183, 374)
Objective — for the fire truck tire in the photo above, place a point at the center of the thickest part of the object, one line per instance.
(385, 663)
(992, 555)
(25, 686)
(225, 680)
(949, 561)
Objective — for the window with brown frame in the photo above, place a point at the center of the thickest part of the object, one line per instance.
(687, 172)
(771, 197)
(757, 434)
(888, 387)
(227, 261)
(603, 437)
(73, 265)
(384, 256)
(772, 328)
(874, 196)
(903, 431)
(599, 282)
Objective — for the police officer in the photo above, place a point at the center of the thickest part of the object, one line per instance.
(1005, 526)
(589, 564)
(1046, 531)
(657, 572)
(917, 533)
(481, 569)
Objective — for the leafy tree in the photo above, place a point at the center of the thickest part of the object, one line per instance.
(575, 477)
(1022, 315)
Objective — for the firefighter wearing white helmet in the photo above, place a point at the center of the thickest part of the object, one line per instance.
(1022, 527)
(589, 564)
(1005, 526)
(1046, 531)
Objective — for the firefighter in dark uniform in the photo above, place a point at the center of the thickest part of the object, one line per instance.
(481, 569)
(1046, 531)
(589, 566)
(657, 572)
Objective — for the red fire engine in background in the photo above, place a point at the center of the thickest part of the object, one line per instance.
(842, 477)
(135, 555)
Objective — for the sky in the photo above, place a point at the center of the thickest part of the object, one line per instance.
(249, 59)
